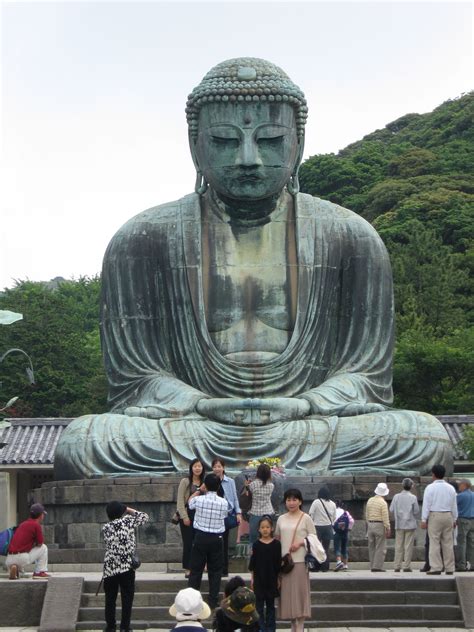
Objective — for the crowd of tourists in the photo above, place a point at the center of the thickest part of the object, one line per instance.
(282, 551)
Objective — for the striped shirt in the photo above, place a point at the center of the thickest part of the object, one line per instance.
(210, 512)
(376, 510)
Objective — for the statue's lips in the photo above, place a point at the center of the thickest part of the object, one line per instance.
(249, 178)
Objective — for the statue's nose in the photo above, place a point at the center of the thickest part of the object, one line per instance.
(248, 155)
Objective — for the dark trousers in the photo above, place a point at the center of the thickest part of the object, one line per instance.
(207, 549)
(225, 541)
(325, 534)
(266, 613)
(126, 582)
(187, 535)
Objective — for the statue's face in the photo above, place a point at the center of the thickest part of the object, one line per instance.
(247, 151)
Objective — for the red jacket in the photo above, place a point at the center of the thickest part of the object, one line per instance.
(28, 535)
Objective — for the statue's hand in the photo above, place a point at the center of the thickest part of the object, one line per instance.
(286, 408)
(149, 412)
(355, 409)
(253, 412)
(220, 409)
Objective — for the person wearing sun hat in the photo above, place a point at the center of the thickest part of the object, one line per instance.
(378, 527)
(188, 610)
(237, 611)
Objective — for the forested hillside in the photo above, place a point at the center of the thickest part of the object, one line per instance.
(414, 181)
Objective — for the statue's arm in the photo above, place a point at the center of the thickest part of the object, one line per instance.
(136, 327)
(359, 379)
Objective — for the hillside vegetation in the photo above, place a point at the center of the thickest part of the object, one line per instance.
(414, 181)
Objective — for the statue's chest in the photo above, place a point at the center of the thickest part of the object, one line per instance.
(249, 286)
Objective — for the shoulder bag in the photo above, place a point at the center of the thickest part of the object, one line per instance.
(287, 563)
(327, 514)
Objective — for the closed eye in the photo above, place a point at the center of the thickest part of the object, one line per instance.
(227, 142)
(274, 140)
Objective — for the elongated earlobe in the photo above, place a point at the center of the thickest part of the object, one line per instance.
(201, 183)
(293, 184)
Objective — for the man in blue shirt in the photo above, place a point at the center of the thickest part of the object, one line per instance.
(465, 545)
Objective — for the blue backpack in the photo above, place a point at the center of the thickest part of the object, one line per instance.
(342, 523)
(5, 539)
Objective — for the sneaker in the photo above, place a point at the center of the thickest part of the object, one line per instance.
(41, 575)
(339, 566)
(346, 568)
(14, 572)
(397, 570)
(407, 570)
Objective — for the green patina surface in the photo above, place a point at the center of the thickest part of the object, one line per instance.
(248, 319)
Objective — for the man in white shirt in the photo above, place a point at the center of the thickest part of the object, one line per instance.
(439, 515)
(209, 527)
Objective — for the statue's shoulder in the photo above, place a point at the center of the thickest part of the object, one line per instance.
(158, 220)
(324, 211)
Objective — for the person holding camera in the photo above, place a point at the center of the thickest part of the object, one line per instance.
(119, 569)
(210, 513)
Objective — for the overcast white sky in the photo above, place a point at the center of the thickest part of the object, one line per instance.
(93, 96)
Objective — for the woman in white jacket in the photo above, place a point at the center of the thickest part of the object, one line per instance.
(323, 515)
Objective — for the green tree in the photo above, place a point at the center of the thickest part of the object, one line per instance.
(60, 331)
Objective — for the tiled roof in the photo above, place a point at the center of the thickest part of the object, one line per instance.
(31, 441)
(454, 425)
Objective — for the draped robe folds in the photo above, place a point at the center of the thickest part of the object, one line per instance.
(158, 352)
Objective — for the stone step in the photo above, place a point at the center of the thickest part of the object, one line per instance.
(337, 582)
(153, 599)
(158, 626)
(320, 612)
(171, 554)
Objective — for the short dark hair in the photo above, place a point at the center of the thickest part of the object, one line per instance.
(218, 459)
(232, 584)
(407, 483)
(324, 493)
(438, 470)
(212, 482)
(203, 473)
(293, 493)
(115, 509)
(264, 472)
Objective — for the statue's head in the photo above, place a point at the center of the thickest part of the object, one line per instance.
(246, 130)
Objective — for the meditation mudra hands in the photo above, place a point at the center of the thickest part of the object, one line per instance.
(253, 412)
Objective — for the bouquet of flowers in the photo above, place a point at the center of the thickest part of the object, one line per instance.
(273, 461)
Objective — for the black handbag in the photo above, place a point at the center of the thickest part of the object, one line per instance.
(230, 521)
(245, 500)
(287, 564)
(135, 562)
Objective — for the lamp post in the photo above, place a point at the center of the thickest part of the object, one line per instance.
(7, 318)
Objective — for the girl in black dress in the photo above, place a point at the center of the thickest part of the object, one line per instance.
(264, 565)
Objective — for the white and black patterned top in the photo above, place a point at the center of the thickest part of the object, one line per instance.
(211, 510)
(261, 498)
(119, 539)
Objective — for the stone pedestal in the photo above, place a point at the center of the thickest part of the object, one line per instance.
(76, 512)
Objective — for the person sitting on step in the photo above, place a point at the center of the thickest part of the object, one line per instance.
(27, 546)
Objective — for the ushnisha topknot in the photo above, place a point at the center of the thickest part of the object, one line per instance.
(246, 79)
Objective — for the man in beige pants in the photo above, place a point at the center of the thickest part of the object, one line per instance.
(439, 515)
(405, 510)
(378, 527)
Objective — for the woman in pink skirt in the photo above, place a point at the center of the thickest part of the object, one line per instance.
(292, 528)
